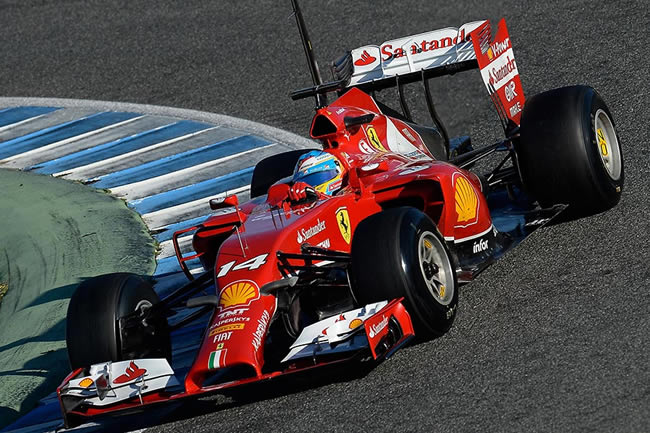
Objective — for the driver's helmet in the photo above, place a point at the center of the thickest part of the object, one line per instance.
(322, 170)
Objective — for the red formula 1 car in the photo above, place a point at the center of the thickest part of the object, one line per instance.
(347, 252)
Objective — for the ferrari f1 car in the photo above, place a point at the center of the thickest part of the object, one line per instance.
(352, 266)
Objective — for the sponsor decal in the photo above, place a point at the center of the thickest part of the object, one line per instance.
(131, 373)
(388, 52)
(259, 333)
(355, 323)
(515, 109)
(220, 338)
(378, 327)
(217, 359)
(324, 244)
(466, 200)
(602, 142)
(374, 139)
(365, 59)
(364, 147)
(340, 110)
(503, 70)
(304, 234)
(480, 245)
(497, 48)
(408, 135)
(226, 320)
(341, 318)
(413, 169)
(225, 315)
(511, 91)
(85, 383)
(250, 264)
(343, 220)
(335, 185)
(416, 154)
(241, 292)
(229, 327)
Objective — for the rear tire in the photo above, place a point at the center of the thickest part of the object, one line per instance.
(400, 253)
(92, 328)
(569, 152)
(272, 169)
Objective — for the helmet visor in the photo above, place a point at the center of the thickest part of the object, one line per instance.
(318, 178)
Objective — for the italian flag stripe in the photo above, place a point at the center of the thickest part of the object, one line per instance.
(216, 359)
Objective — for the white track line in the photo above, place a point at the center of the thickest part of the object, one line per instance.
(144, 188)
(13, 125)
(84, 172)
(70, 140)
(167, 247)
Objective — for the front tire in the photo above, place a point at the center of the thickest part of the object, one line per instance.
(400, 253)
(93, 332)
(569, 151)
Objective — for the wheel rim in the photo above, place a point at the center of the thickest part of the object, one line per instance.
(607, 144)
(436, 268)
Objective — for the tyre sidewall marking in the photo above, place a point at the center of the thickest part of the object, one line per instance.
(599, 176)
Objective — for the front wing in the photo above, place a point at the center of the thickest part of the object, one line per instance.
(375, 331)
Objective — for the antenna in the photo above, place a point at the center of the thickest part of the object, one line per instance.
(321, 100)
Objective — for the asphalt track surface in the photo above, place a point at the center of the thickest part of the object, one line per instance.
(553, 337)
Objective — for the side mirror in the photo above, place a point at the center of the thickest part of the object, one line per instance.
(228, 201)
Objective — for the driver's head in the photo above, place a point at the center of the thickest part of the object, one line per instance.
(322, 170)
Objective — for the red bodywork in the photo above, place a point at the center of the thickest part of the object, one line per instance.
(376, 177)
(387, 164)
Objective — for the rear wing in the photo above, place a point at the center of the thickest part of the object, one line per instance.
(401, 61)
(433, 54)
(406, 57)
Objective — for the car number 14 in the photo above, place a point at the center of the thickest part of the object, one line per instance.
(250, 264)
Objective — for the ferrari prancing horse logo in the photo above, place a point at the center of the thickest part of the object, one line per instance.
(343, 220)
(374, 139)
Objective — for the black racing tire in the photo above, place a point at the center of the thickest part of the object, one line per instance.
(272, 169)
(92, 324)
(387, 262)
(560, 156)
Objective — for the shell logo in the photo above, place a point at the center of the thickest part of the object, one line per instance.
(466, 200)
(355, 323)
(240, 292)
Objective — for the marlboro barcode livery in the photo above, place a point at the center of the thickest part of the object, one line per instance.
(345, 253)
